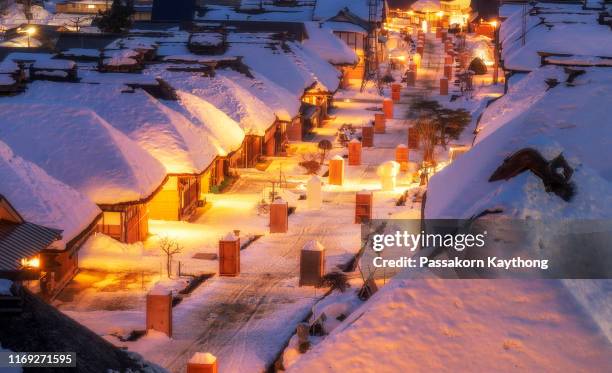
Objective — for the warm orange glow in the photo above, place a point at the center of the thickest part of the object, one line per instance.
(440, 14)
(494, 24)
(33, 262)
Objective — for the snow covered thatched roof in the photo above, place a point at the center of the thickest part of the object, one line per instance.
(553, 28)
(570, 118)
(181, 146)
(79, 148)
(328, 46)
(43, 200)
(288, 64)
(224, 91)
(479, 325)
(225, 134)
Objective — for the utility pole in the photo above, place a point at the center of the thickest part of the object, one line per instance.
(371, 71)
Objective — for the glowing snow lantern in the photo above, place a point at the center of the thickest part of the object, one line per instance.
(388, 174)
(424, 26)
(313, 191)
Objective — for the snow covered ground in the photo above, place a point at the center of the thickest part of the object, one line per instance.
(232, 317)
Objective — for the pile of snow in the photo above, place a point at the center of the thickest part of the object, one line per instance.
(328, 46)
(43, 200)
(180, 145)
(79, 148)
(102, 253)
(451, 323)
(554, 28)
(209, 39)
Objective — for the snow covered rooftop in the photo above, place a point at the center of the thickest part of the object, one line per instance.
(225, 92)
(569, 118)
(325, 9)
(79, 148)
(328, 46)
(431, 325)
(290, 66)
(43, 200)
(176, 142)
(250, 11)
(553, 28)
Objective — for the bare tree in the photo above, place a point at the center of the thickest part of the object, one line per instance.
(169, 247)
(324, 146)
(27, 9)
(76, 22)
(428, 135)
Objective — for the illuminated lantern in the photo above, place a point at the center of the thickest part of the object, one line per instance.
(448, 71)
(229, 255)
(396, 90)
(202, 362)
(380, 123)
(444, 86)
(388, 108)
(354, 152)
(363, 206)
(367, 136)
(336, 170)
(388, 174)
(159, 310)
(312, 264)
(279, 216)
(402, 156)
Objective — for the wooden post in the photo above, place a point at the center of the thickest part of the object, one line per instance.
(312, 264)
(388, 108)
(413, 138)
(396, 90)
(367, 136)
(379, 123)
(402, 156)
(279, 216)
(444, 86)
(229, 255)
(354, 152)
(159, 310)
(202, 362)
(363, 206)
(336, 171)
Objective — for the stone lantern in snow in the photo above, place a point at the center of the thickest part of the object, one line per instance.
(314, 193)
(202, 362)
(388, 174)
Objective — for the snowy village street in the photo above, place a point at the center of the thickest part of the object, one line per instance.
(241, 186)
(230, 316)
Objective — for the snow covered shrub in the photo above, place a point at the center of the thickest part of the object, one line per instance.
(478, 66)
(336, 280)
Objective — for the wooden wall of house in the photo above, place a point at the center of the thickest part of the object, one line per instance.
(177, 200)
(111, 224)
(60, 268)
(357, 42)
(165, 204)
(136, 223)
